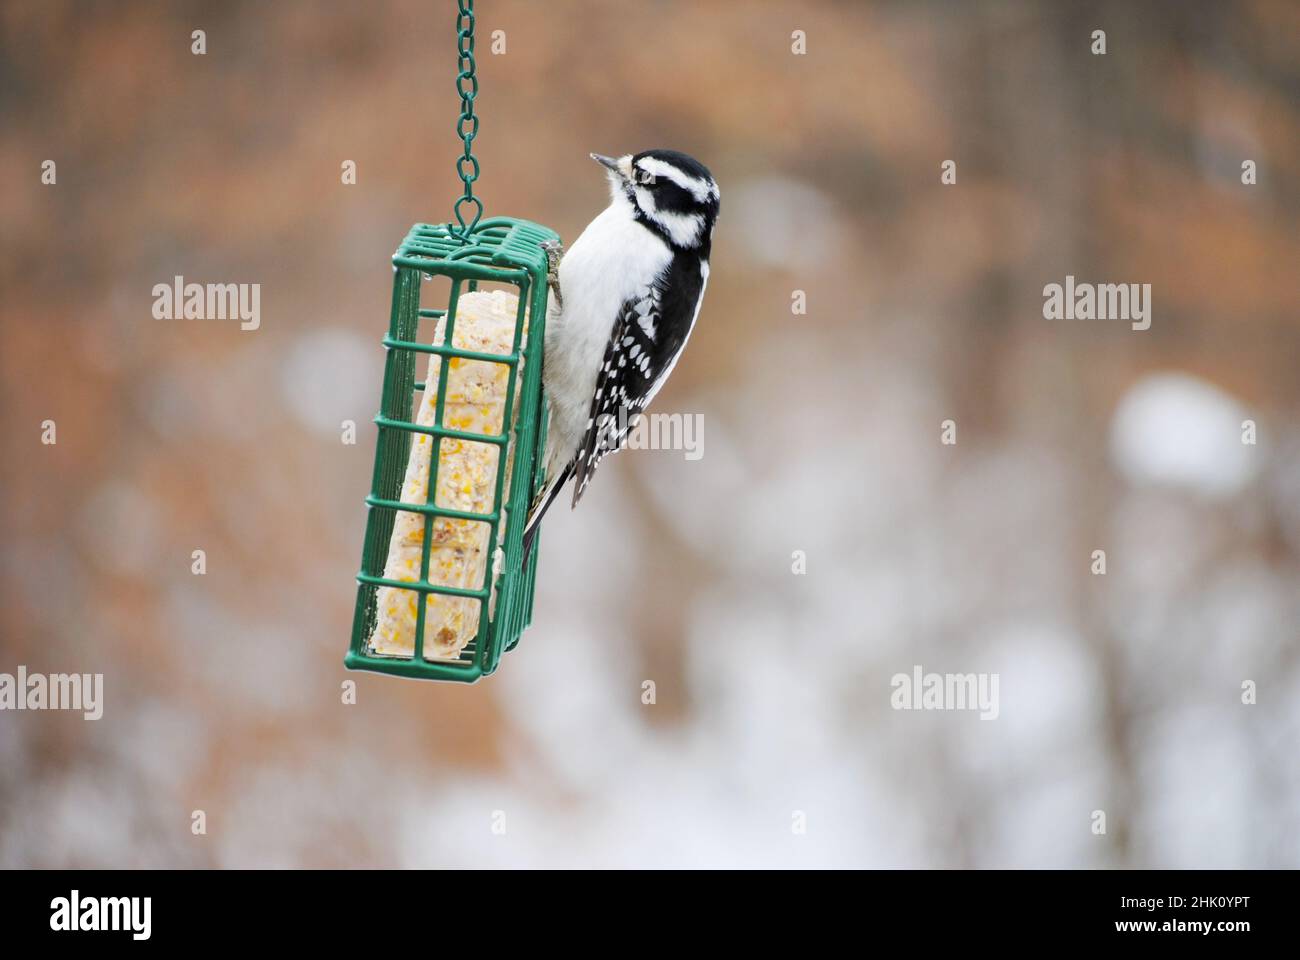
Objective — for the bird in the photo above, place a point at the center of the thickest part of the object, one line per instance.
(626, 296)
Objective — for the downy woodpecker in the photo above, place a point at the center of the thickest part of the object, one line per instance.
(626, 298)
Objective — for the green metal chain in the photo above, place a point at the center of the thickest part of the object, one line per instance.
(467, 126)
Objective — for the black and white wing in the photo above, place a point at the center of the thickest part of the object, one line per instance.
(628, 378)
(649, 335)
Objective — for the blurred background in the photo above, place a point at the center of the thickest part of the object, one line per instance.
(1119, 692)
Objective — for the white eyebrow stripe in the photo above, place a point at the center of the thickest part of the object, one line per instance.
(658, 168)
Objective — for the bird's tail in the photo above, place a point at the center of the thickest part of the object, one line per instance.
(543, 503)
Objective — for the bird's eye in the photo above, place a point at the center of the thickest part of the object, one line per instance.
(644, 178)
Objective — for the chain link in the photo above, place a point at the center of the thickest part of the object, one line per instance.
(467, 124)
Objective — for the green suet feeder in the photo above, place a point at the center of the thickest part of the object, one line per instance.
(504, 252)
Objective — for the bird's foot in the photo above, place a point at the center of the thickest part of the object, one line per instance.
(554, 253)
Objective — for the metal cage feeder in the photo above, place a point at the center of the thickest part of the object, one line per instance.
(500, 250)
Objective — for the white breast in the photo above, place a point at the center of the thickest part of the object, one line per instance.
(612, 261)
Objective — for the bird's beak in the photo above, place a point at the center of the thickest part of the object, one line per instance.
(619, 166)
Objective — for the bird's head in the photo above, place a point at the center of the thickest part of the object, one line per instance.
(671, 193)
